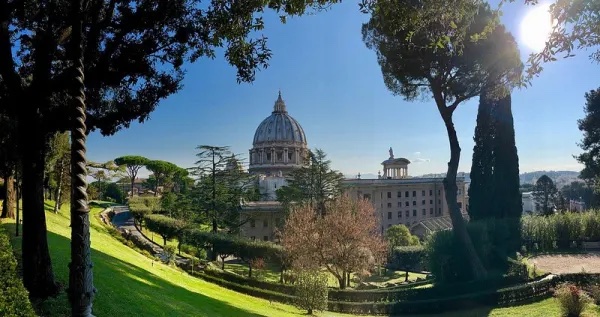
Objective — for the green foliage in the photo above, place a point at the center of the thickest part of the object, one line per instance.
(492, 241)
(163, 172)
(494, 190)
(400, 236)
(573, 300)
(560, 230)
(167, 227)
(114, 192)
(408, 258)
(140, 207)
(311, 291)
(314, 183)
(544, 194)
(169, 253)
(233, 245)
(14, 299)
(590, 144)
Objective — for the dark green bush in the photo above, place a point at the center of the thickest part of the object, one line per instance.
(14, 299)
(167, 227)
(408, 258)
(494, 241)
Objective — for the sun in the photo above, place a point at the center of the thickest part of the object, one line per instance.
(536, 27)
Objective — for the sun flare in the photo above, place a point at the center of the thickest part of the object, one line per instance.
(536, 27)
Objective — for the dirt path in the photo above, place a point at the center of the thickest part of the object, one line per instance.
(567, 263)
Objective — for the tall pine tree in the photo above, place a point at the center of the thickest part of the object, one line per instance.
(494, 190)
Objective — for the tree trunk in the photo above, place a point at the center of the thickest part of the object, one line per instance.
(249, 269)
(132, 183)
(348, 279)
(38, 276)
(58, 188)
(223, 264)
(310, 311)
(342, 281)
(164, 241)
(458, 223)
(8, 205)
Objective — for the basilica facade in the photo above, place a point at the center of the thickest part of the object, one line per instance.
(280, 146)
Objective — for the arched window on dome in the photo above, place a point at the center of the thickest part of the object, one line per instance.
(279, 156)
(268, 157)
(290, 155)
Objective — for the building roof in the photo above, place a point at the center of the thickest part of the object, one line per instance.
(437, 223)
(279, 127)
(262, 206)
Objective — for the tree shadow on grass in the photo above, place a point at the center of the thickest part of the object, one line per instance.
(127, 290)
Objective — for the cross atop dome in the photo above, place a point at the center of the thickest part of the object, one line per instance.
(279, 105)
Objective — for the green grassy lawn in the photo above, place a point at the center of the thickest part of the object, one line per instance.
(130, 284)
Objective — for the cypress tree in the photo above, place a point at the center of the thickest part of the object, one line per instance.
(494, 190)
(506, 200)
(480, 191)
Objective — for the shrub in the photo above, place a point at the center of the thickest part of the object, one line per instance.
(169, 253)
(14, 299)
(595, 293)
(408, 258)
(572, 300)
(167, 227)
(311, 291)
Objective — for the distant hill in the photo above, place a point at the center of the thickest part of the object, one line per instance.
(560, 178)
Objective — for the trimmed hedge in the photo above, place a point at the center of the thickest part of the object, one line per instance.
(559, 231)
(409, 257)
(504, 296)
(166, 227)
(248, 290)
(234, 245)
(14, 300)
(238, 279)
(411, 294)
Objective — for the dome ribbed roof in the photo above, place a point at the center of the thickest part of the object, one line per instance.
(279, 127)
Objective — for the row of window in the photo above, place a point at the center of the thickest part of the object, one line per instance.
(265, 223)
(414, 193)
(265, 238)
(414, 213)
(414, 203)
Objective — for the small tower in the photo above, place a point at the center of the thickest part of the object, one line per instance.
(395, 168)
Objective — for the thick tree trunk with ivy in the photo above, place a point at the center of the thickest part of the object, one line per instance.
(38, 276)
(8, 205)
(458, 223)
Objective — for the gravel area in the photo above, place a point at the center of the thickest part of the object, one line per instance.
(568, 263)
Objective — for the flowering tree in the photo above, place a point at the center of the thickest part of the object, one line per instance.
(346, 239)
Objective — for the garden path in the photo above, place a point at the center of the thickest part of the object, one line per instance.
(568, 263)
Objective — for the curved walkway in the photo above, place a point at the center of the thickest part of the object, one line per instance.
(123, 221)
(568, 263)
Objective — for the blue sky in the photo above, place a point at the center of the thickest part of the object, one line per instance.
(332, 85)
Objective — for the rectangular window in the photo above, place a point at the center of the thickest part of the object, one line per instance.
(439, 192)
(367, 196)
(423, 202)
(431, 211)
(414, 202)
(422, 193)
(389, 194)
(399, 194)
(266, 238)
(431, 192)
(414, 212)
(406, 194)
(280, 156)
(252, 223)
(424, 212)
(407, 213)
(266, 223)
(407, 204)
(289, 156)
(399, 214)
(399, 204)
(389, 215)
(389, 205)
(414, 193)
(431, 201)
(268, 157)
